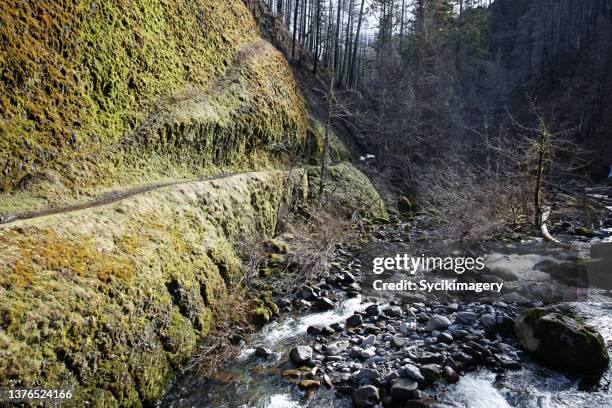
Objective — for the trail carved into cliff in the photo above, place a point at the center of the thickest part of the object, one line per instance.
(243, 55)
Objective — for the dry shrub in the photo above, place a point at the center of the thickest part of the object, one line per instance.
(471, 204)
(314, 241)
(232, 316)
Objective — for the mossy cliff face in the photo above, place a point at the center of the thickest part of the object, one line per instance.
(101, 94)
(113, 300)
(348, 188)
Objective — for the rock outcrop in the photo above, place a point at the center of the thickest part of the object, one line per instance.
(562, 342)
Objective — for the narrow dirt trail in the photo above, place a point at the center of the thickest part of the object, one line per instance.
(106, 198)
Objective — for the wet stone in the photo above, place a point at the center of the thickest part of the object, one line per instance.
(354, 321)
(445, 338)
(366, 397)
(300, 355)
(437, 322)
(411, 371)
(403, 389)
(372, 310)
(263, 352)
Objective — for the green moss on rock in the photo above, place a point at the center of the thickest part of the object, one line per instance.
(561, 341)
(404, 205)
(348, 188)
(115, 298)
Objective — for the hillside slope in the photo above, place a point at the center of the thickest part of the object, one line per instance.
(560, 53)
(103, 94)
(111, 301)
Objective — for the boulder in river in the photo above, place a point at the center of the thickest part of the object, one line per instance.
(354, 321)
(261, 351)
(431, 372)
(403, 389)
(324, 303)
(300, 355)
(506, 274)
(561, 342)
(372, 310)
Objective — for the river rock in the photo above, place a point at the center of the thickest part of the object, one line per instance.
(546, 265)
(337, 326)
(431, 372)
(366, 397)
(392, 375)
(367, 353)
(445, 338)
(369, 340)
(261, 351)
(405, 327)
(335, 349)
(393, 311)
(308, 293)
(412, 371)
(354, 321)
(348, 278)
(403, 389)
(397, 342)
(367, 374)
(450, 374)
(488, 320)
(300, 355)
(561, 342)
(372, 310)
(466, 317)
(324, 304)
(437, 322)
(327, 381)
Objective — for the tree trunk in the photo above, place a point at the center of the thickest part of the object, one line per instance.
(295, 16)
(328, 123)
(315, 64)
(351, 78)
(401, 35)
(337, 37)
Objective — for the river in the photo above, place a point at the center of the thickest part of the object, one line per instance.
(250, 381)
